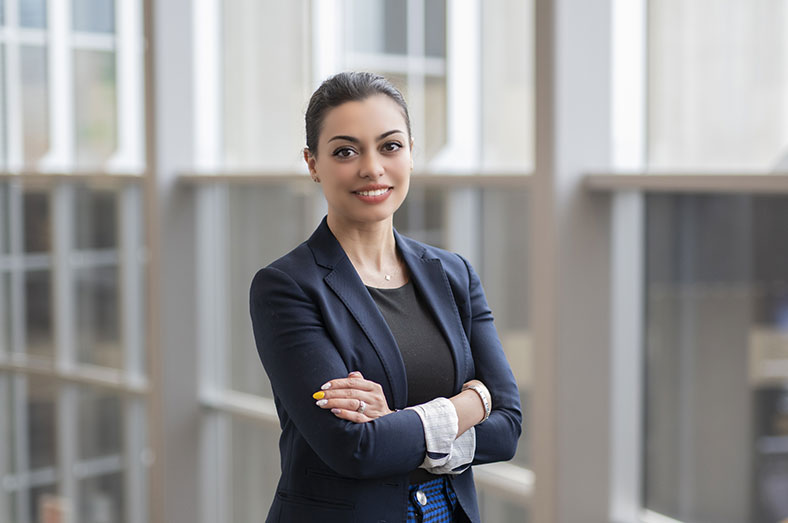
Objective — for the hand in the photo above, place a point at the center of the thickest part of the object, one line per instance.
(344, 396)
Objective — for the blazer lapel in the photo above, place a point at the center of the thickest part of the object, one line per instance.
(431, 281)
(347, 285)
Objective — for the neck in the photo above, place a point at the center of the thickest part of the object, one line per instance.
(368, 245)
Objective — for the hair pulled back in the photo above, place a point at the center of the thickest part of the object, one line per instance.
(346, 87)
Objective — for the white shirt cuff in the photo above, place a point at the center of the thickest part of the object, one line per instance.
(446, 453)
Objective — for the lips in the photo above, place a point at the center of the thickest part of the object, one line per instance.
(373, 193)
(373, 190)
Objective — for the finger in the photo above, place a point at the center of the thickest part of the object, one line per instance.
(350, 383)
(341, 403)
(355, 374)
(350, 415)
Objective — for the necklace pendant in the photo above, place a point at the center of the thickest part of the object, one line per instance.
(387, 277)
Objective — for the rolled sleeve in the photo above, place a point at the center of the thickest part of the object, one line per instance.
(446, 453)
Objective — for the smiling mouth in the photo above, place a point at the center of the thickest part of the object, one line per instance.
(374, 192)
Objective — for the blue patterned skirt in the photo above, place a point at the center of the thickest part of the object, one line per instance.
(433, 501)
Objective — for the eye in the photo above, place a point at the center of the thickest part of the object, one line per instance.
(392, 146)
(344, 152)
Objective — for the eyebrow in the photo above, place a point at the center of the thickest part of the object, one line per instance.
(356, 140)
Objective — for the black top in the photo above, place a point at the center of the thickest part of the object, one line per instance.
(425, 353)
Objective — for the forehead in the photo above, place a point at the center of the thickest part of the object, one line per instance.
(369, 117)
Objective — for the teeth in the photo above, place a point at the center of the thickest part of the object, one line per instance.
(377, 192)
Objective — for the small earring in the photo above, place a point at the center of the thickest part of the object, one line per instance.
(316, 179)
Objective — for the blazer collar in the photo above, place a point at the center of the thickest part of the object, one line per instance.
(430, 280)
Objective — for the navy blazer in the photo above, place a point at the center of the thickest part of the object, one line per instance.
(314, 321)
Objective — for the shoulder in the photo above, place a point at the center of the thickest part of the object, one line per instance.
(294, 267)
(457, 268)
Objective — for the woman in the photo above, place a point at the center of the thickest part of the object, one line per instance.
(388, 375)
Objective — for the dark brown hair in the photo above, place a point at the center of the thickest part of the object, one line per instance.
(346, 87)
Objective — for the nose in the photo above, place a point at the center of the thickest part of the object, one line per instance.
(371, 166)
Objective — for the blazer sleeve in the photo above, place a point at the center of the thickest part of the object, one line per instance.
(299, 356)
(496, 438)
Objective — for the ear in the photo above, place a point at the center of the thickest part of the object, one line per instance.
(411, 153)
(310, 163)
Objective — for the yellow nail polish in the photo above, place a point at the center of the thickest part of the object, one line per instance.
(319, 395)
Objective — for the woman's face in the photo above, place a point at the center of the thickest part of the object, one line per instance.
(364, 159)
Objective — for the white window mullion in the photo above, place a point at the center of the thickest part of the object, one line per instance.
(13, 90)
(17, 279)
(207, 84)
(463, 89)
(132, 284)
(627, 293)
(61, 90)
(212, 225)
(215, 476)
(129, 156)
(62, 220)
(21, 446)
(65, 350)
(415, 77)
(135, 470)
(67, 444)
(5, 456)
(327, 38)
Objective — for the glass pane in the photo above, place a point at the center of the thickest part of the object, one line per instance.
(265, 222)
(39, 325)
(97, 316)
(42, 422)
(718, 84)
(435, 28)
(255, 469)
(33, 13)
(38, 223)
(436, 114)
(2, 12)
(507, 85)
(262, 126)
(35, 102)
(379, 26)
(96, 16)
(717, 358)
(96, 218)
(95, 106)
(100, 423)
(101, 499)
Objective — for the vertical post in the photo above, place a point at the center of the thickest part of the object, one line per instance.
(13, 89)
(570, 244)
(21, 448)
(65, 350)
(171, 224)
(627, 383)
(61, 89)
(6, 426)
(135, 427)
(129, 43)
(463, 76)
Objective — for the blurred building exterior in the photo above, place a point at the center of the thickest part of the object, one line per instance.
(151, 163)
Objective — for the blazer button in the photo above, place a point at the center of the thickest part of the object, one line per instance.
(421, 497)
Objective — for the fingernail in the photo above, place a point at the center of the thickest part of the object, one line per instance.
(319, 395)
(326, 386)
(320, 403)
(335, 411)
